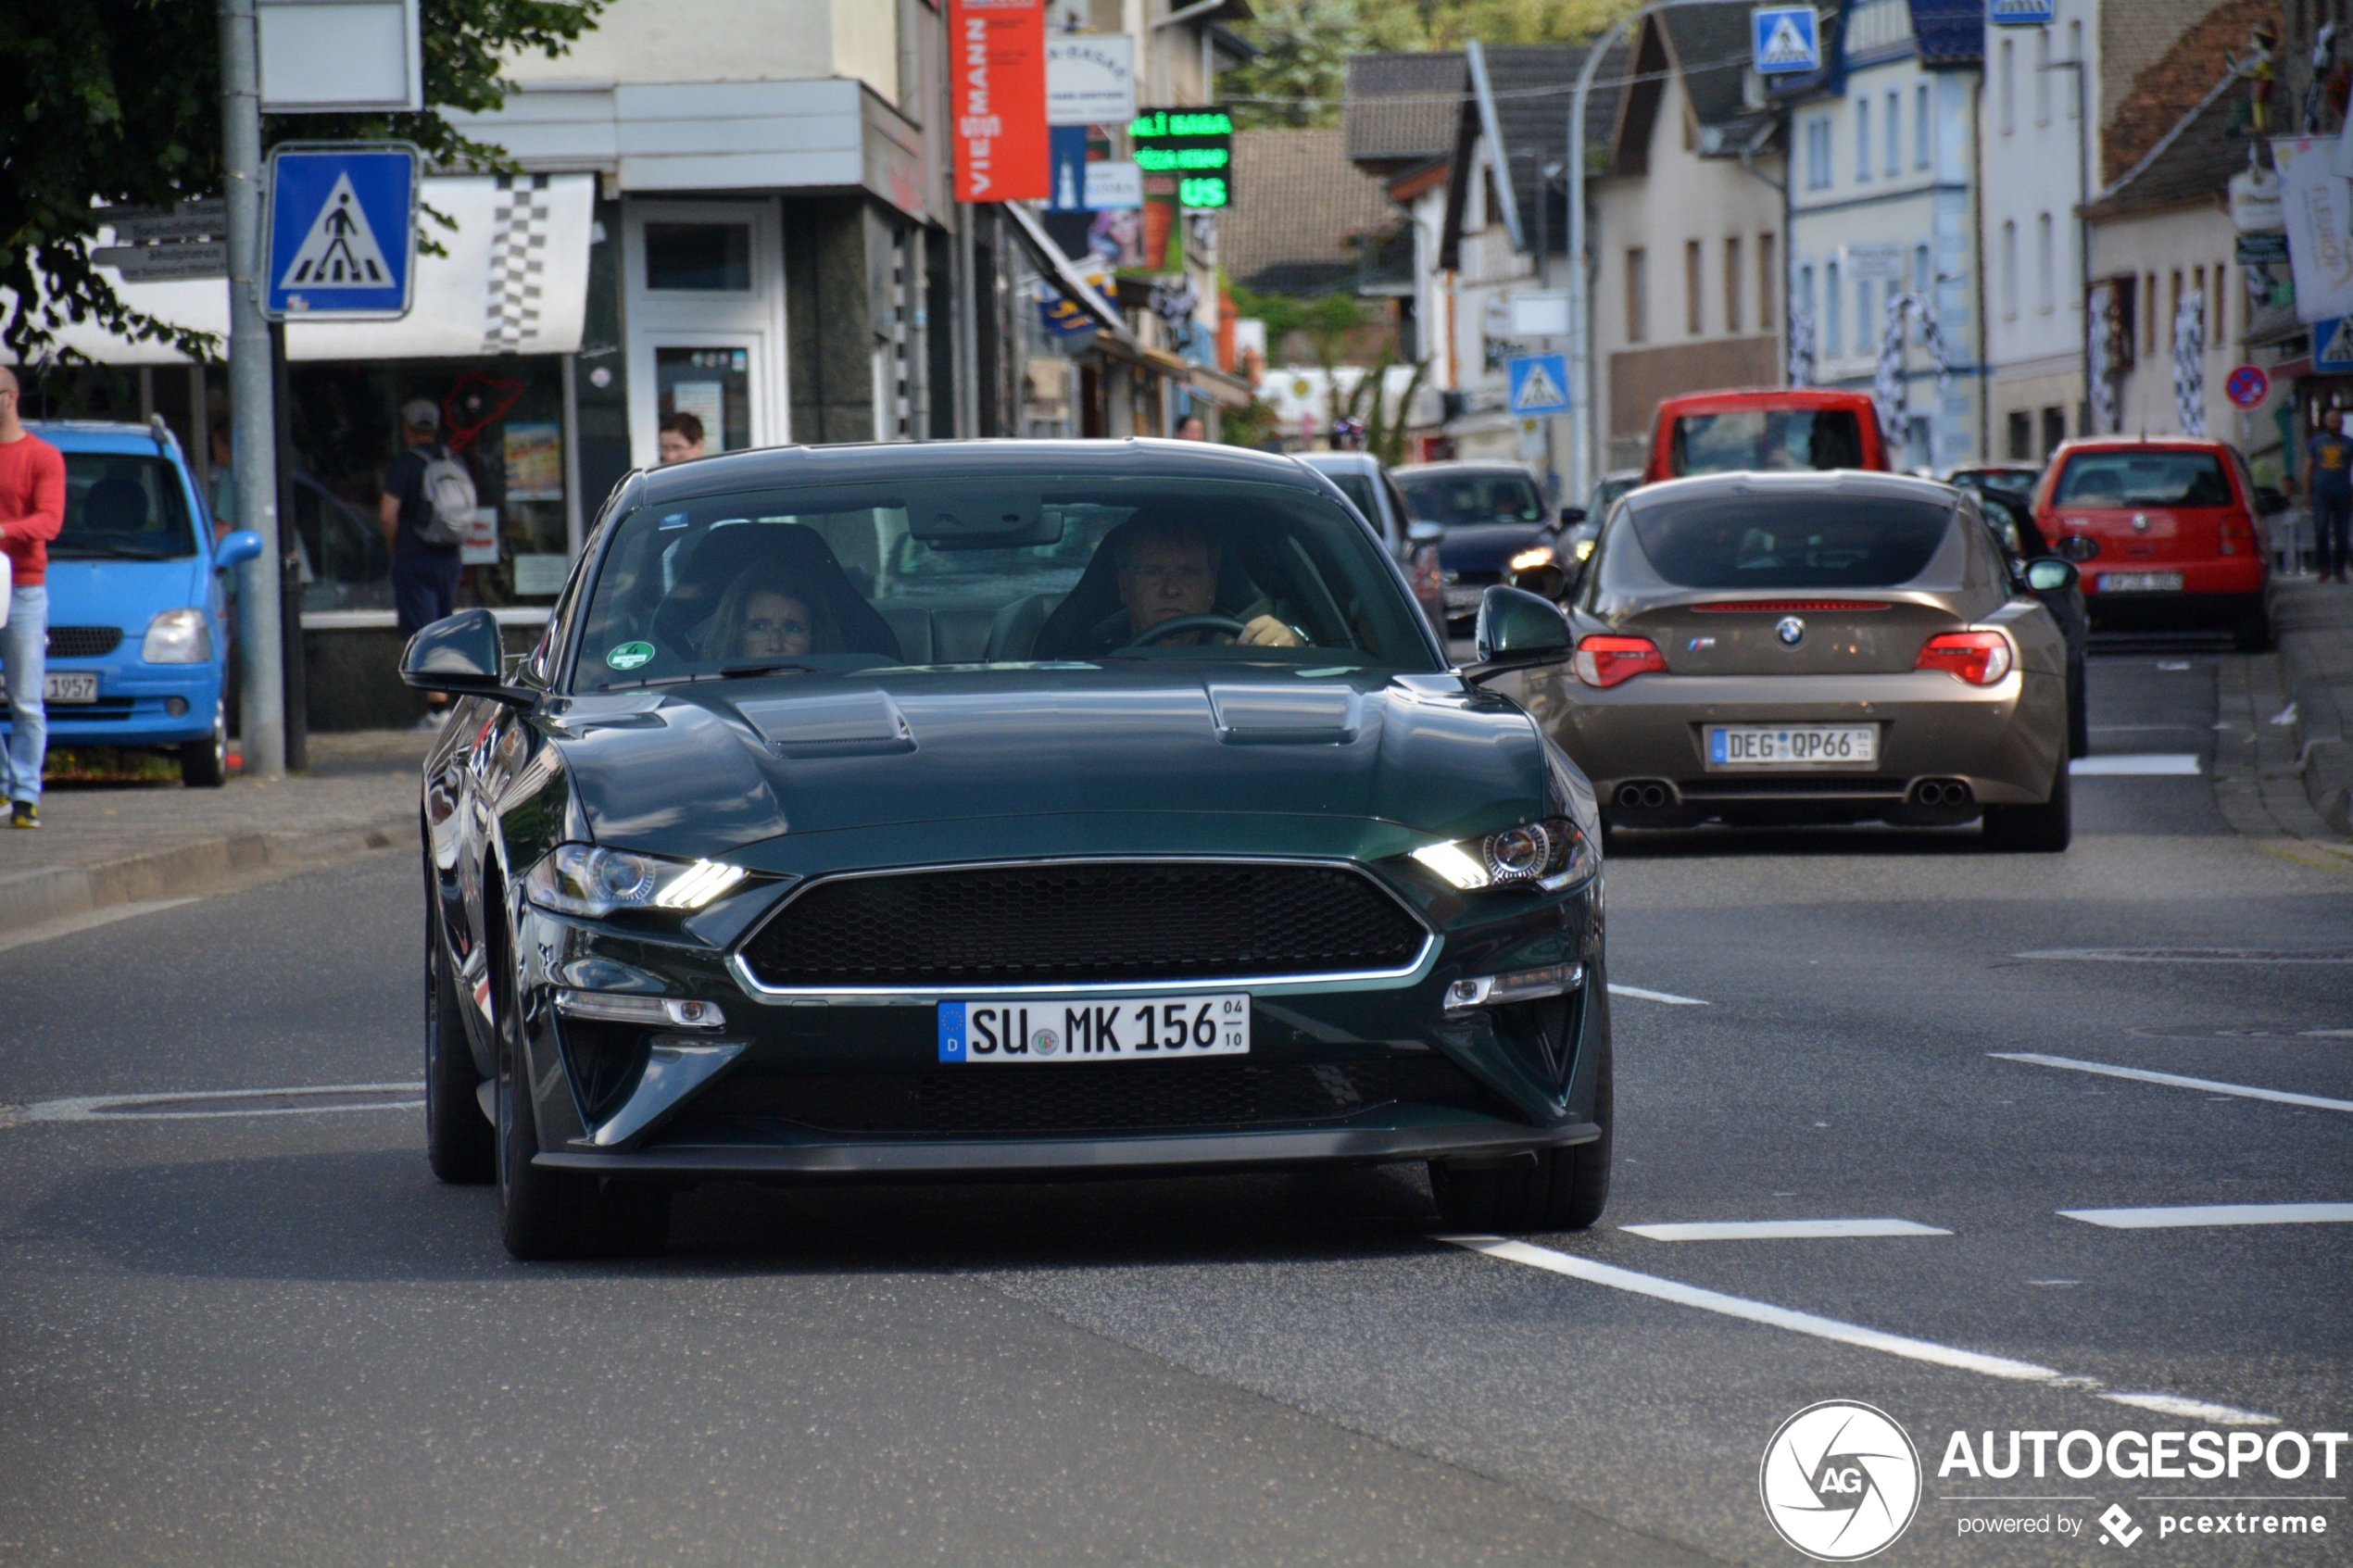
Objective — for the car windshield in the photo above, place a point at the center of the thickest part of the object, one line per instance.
(1811, 540)
(1765, 440)
(992, 571)
(119, 505)
(1460, 500)
(2144, 479)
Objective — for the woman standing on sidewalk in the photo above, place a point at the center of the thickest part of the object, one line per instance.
(33, 507)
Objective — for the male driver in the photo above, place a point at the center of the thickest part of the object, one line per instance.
(33, 507)
(424, 575)
(680, 438)
(2329, 483)
(1168, 568)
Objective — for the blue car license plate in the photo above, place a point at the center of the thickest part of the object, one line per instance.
(1098, 1029)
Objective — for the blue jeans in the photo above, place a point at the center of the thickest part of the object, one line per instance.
(24, 657)
(425, 588)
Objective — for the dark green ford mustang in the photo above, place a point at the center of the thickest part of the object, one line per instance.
(1000, 809)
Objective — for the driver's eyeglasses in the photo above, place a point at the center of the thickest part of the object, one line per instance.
(1186, 575)
(785, 626)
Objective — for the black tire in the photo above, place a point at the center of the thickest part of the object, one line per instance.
(545, 1215)
(2252, 632)
(2034, 829)
(1554, 1189)
(204, 764)
(461, 1145)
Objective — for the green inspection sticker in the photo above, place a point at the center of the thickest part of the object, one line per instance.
(628, 656)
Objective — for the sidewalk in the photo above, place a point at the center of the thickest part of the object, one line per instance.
(2314, 622)
(105, 845)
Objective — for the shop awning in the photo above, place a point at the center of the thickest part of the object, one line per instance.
(1221, 387)
(514, 279)
(1049, 256)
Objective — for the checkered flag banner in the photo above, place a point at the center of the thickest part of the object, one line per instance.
(1801, 344)
(1889, 387)
(2189, 362)
(518, 260)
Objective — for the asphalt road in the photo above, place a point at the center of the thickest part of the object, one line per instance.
(272, 1338)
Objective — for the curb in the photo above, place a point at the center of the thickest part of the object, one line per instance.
(37, 898)
(2323, 753)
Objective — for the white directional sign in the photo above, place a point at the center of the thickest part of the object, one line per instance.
(339, 57)
(1784, 38)
(341, 236)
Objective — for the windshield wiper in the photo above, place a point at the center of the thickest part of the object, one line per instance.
(726, 672)
(739, 671)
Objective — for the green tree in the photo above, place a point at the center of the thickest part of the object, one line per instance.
(118, 101)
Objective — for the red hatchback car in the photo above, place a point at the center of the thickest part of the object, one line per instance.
(2164, 531)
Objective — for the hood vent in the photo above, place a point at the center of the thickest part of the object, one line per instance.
(1273, 715)
(852, 723)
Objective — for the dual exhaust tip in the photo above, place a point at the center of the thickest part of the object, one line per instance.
(1942, 791)
(1643, 796)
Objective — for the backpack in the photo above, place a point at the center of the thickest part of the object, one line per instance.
(448, 493)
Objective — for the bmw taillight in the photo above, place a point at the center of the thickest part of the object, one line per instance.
(1607, 661)
(1980, 658)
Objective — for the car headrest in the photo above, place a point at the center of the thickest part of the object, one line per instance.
(797, 550)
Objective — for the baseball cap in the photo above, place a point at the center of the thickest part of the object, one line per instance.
(421, 413)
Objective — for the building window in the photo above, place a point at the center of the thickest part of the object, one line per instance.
(1638, 295)
(2148, 316)
(2054, 430)
(1920, 123)
(1817, 154)
(1765, 283)
(1732, 284)
(2044, 278)
(1833, 314)
(698, 258)
(1862, 138)
(1894, 164)
(2174, 309)
(2005, 88)
(1692, 304)
(2042, 76)
(2197, 291)
(2223, 307)
(1866, 325)
(1806, 300)
(2075, 53)
(1923, 280)
(2010, 271)
(2021, 437)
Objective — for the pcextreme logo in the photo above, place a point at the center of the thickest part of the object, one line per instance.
(1840, 1481)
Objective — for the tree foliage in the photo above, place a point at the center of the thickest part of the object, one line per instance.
(118, 101)
(1300, 74)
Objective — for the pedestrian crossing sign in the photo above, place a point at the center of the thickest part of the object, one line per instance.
(2332, 345)
(340, 237)
(1540, 383)
(1785, 39)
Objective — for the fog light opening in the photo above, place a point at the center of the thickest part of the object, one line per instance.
(1516, 986)
(176, 706)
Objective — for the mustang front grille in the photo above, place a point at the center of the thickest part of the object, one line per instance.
(1083, 923)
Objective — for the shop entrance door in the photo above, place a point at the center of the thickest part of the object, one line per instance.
(706, 314)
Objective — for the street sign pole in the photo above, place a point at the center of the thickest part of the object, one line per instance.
(261, 686)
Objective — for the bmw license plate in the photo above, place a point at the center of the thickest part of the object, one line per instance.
(2140, 581)
(66, 687)
(1792, 746)
(1105, 1029)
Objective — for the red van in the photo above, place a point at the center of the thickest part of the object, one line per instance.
(2163, 529)
(1768, 428)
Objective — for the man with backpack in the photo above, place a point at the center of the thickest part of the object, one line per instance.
(427, 508)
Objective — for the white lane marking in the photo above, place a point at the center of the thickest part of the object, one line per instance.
(2145, 765)
(2172, 664)
(1667, 996)
(49, 931)
(1779, 1230)
(2215, 1214)
(2193, 955)
(2192, 1409)
(2174, 1080)
(127, 1107)
(1807, 1322)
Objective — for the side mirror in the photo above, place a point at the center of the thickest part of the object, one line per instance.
(1515, 628)
(2048, 574)
(2268, 502)
(1572, 516)
(2079, 546)
(236, 549)
(1421, 531)
(463, 653)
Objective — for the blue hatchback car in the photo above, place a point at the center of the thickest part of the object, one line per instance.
(138, 636)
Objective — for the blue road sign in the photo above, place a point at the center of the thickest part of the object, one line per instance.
(2022, 13)
(1540, 383)
(1784, 38)
(340, 240)
(2332, 345)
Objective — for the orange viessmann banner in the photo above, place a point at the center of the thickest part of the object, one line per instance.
(996, 53)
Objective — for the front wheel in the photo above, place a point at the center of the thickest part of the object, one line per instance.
(460, 1144)
(2035, 830)
(204, 764)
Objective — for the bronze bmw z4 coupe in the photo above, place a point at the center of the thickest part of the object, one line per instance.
(1813, 648)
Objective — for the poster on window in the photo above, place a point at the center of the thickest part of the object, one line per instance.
(535, 462)
(2314, 199)
(481, 544)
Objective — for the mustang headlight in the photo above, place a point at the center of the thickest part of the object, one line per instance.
(176, 636)
(1551, 854)
(582, 879)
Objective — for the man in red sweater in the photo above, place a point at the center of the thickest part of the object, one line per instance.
(33, 507)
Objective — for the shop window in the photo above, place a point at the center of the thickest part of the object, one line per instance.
(2054, 430)
(2021, 436)
(698, 258)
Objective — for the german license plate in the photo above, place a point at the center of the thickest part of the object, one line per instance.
(1105, 1029)
(2140, 581)
(1792, 746)
(64, 687)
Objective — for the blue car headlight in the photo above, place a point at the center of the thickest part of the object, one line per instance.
(1551, 854)
(584, 879)
(176, 636)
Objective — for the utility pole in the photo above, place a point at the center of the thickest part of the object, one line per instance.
(261, 687)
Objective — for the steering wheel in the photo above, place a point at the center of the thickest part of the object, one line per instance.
(1172, 626)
